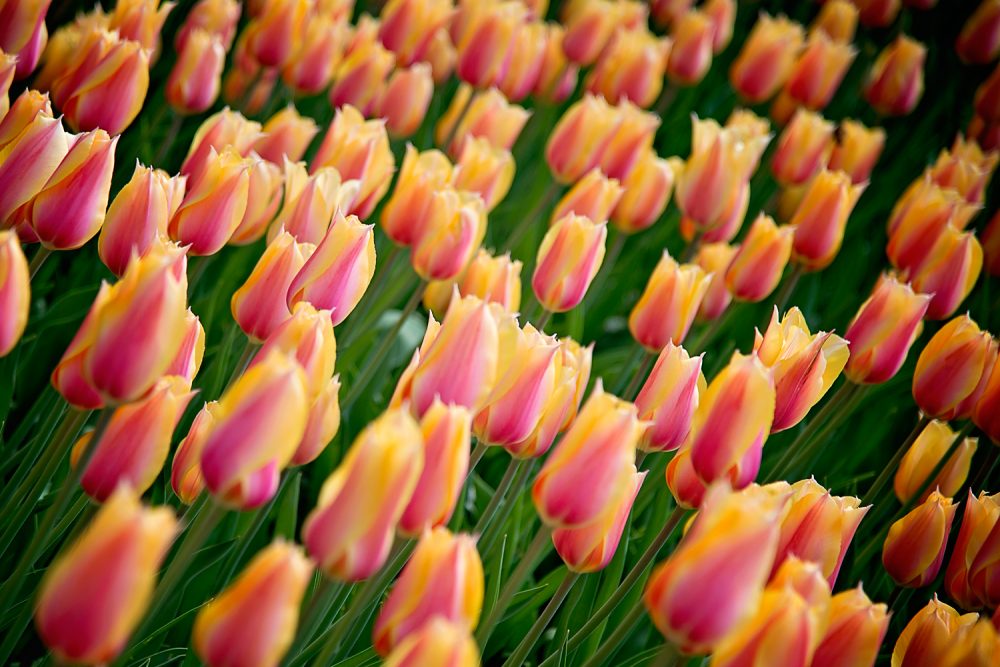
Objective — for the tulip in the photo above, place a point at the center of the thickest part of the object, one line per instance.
(668, 305)
(215, 204)
(857, 150)
(714, 578)
(733, 417)
(524, 63)
(949, 272)
(359, 150)
(665, 12)
(408, 208)
(591, 548)
(819, 527)
(929, 635)
(264, 194)
(592, 466)
(985, 414)
(436, 643)
(966, 168)
(307, 337)
(314, 63)
(973, 644)
(968, 579)
(914, 548)
(882, 331)
(878, 13)
(443, 579)
(753, 131)
(979, 41)
(685, 486)
(485, 42)
(950, 367)
(266, 597)
(987, 100)
(187, 363)
(669, 398)
(68, 378)
(96, 592)
(488, 114)
(141, 20)
(441, 56)
(816, 75)
(767, 58)
(722, 13)
(218, 17)
(271, 36)
(485, 170)
(257, 425)
(408, 26)
(646, 193)
(193, 84)
(185, 471)
(286, 134)
(21, 113)
(631, 139)
(691, 55)
(805, 365)
(990, 238)
(923, 457)
(590, 25)
(28, 160)
(15, 291)
(350, 531)
(821, 217)
(219, 132)
(919, 219)
(756, 268)
(714, 258)
(854, 633)
(451, 233)
(403, 392)
(569, 258)
(362, 71)
(594, 196)
(896, 80)
(492, 279)
(803, 148)
(580, 137)
(631, 67)
(8, 64)
(556, 75)
(805, 579)
(311, 201)
(405, 99)
(20, 21)
(69, 210)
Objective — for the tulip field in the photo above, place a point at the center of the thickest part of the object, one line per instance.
(446, 333)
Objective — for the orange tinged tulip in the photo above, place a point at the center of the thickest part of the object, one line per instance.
(693, 44)
(631, 67)
(854, 633)
(141, 20)
(950, 367)
(669, 398)
(803, 148)
(271, 36)
(264, 193)
(857, 150)
(668, 305)
(686, 487)
(219, 131)
(816, 76)
(631, 139)
(286, 134)
(878, 13)
(896, 80)
(27, 161)
(15, 291)
(665, 12)
(557, 76)
(266, 597)
(914, 548)
(838, 20)
(96, 592)
(405, 99)
(569, 258)
(437, 643)
(493, 279)
(8, 63)
(322, 423)
(579, 139)
(187, 363)
(929, 635)
(756, 268)
(22, 112)
(949, 272)
(714, 258)
(594, 196)
(925, 454)
(311, 201)
(821, 217)
(214, 205)
(485, 170)
(405, 214)
(19, 21)
(966, 167)
(218, 17)
(68, 378)
(362, 71)
(451, 233)
(485, 41)
(488, 115)
(407, 27)
(193, 84)
(524, 62)
(990, 238)
(443, 579)
(185, 470)
(591, 24)
(767, 58)
(350, 531)
(987, 100)
(402, 394)
(646, 193)
(592, 466)
(971, 576)
(985, 414)
(979, 41)
(307, 337)
(314, 63)
(723, 15)
(919, 218)
(974, 644)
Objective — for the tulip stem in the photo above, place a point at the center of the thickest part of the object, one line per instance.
(453, 130)
(249, 349)
(495, 523)
(787, 289)
(542, 622)
(528, 220)
(513, 468)
(176, 122)
(890, 468)
(375, 361)
(37, 260)
(543, 319)
(641, 371)
(610, 645)
(323, 599)
(478, 452)
(246, 539)
(531, 555)
(711, 330)
(691, 249)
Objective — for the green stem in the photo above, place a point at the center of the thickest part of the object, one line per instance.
(244, 541)
(787, 289)
(494, 525)
(641, 371)
(176, 122)
(37, 260)
(542, 622)
(498, 495)
(453, 130)
(532, 217)
(249, 349)
(478, 452)
(543, 319)
(610, 645)
(320, 603)
(890, 468)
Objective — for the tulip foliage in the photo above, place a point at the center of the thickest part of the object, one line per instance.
(510, 332)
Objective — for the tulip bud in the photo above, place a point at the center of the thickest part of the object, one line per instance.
(646, 193)
(821, 217)
(408, 208)
(264, 194)
(185, 471)
(271, 36)
(408, 26)
(803, 148)
(631, 139)
(218, 17)
(594, 196)
(187, 363)
(665, 12)
(987, 100)
(307, 337)
(919, 218)
(966, 168)
(878, 13)
(362, 72)
(492, 279)
(857, 150)
(714, 258)
(753, 131)
(485, 170)
(311, 201)
(20, 21)
(313, 64)
(949, 272)
(591, 548)
(682, 481)
(591, 24)
(486, 40)
(881, 333)
(488, 115)
(451, 233)
(21, 113)
(631, 67)
(142, 21)
(896, 80)
(914, 548)
(350, 531)
(97, 590)
(569, 258)
(985, 414)
(979, 41)
(286, 134)
(929, 635)
(27, 161)
(950, 367)
(443, 579)
(557, 76)
(592, 466)
(69, 209)
(669, 398)
(968, 577)
(257, 425)
(193, 84)
(923, 457)
(714, 578)
(760, 259)
(815, 77)
(766, 60)
(358, 150)
(405, 99)
(218, 132)
(819, 527)
(693, 44)
(15, 291)
(855, 631)
(805, 365)
(266, 597)
(974, 643)
(404, 385)
(215, 204)
(524, 62)
(668, 305)
(8, 64)
(580, 137)
(436, 642)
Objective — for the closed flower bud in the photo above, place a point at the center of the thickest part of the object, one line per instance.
(882, 331)
(914, 548)
(358, 150)
(592, 466)
(923, 457)
(805, 365)
(929, 635)
(361, 73)
(187, 363)
(714, 258)
(260, 305)
(443, 579)
(646, 193)
(219, 131)
(722, 13)
(185, 470)
(966, 167)
(21, 113)
(27, 160)
(272, 35)
(803, 148)
(406, 212)
(142, 21)
(404, 100)
(591, 548)
(896, 80)
(486, 41)
(950, 367)
(632, 67)
(311, 201)
(974, 644)
(436, 643)
(408, 26)
(760, 259)
(949, 272)
(69, 210)
(96, 592)
(307, 337)
(693, 45)
(669, 398)
(451, 233)
(557, 76)
(682, 481)
(214, 204)
(665, 12)
(194, 81)
(20, 21)
(492, 279)
(767, 58)
(286, 134)
(819, 527)
(713, 580)
(838, 20)
(569, 258)
(257, 425)
(631, 139)
(591, 24)
(857, 150)
(485, 170)
(266, 597)
(253, 85)
(985, 412)
(987, 100)
(919, 218)
(218, 17)
(264, 195)
(971, 576)
(668, 305)
(15, 291)
(594, 196)
(821, 217)
(579, 138)
(313, 64)
(350, 531)
(878, 13)
(488, 115)
(524, 62)
(990, 238)
(321, 425)
(402, 394)
(8, 63)
(68, 377)
(854, 632)
(979, 41)
(815, 77)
